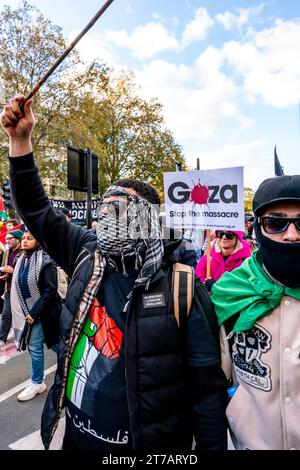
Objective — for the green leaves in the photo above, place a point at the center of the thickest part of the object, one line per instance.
(127, 132)
(89, 106)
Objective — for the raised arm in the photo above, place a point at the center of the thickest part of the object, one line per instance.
(58, 237)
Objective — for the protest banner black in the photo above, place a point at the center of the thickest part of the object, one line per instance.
(77, 208)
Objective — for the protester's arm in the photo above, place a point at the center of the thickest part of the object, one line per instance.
(7, 272)
(58, 237)
(208, 397)
(206, 380)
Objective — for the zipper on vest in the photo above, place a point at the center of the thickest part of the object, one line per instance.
(82, 261)
(127, 305)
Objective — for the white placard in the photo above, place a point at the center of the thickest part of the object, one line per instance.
(205, 199)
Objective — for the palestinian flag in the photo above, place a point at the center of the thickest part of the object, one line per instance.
(3, 215)
(95, 355)
(3, 218)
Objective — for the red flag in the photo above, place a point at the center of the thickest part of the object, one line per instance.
(2, 208)
(3, 235)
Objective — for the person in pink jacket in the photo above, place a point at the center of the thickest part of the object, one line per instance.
(227, 253)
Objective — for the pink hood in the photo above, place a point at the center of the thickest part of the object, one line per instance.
(217, 263)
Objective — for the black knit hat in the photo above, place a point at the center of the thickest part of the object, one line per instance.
(278, 189)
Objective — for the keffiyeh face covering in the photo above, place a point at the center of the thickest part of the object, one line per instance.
(129, 227)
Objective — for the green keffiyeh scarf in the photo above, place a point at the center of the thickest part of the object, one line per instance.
(250, 291)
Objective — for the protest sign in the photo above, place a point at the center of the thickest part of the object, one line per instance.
(206, 199)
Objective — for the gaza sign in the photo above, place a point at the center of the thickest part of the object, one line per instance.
(205, 199)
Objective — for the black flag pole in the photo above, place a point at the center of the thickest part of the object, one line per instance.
(277, 167)
(91, 23)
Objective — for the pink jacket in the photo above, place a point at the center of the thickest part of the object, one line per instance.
(217, 264)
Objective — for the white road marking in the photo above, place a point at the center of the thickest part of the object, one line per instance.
(33, 441)
(19, 387)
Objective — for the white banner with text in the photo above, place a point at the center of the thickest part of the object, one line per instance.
(205, 199)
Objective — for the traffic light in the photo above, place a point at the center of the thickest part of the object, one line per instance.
(77, 170)
(6, 196)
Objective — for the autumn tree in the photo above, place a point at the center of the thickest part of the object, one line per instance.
(248, 198)
(29, 45)
(126, 131)
(88, 106)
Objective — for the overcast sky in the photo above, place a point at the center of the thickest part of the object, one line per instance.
(227, 72)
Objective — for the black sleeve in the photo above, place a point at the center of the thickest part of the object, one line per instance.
(209, 400)
(49, 291)
(186, 254)
(60, 239)
(206, 381)
(203, 345)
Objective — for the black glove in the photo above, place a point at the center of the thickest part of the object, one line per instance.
(209, 283)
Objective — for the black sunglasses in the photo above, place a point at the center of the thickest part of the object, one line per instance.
(228, 235)
(274, 225)
(113, 207)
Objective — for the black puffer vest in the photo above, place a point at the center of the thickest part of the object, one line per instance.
(154, 372)
(154, 365)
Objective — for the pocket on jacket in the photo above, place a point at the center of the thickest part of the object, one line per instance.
(234, 407)
(237, 413)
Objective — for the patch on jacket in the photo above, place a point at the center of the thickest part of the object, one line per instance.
(154, 300)
(246, 355)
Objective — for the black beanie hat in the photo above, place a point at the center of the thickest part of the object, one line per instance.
(278, 189)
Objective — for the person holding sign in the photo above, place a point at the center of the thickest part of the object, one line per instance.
(258, 306)
(228, 252)
(138, 357)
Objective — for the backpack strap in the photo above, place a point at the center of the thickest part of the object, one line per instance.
(62, 283)
(182, 291)
(226, 360)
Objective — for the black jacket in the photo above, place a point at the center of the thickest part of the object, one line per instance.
(168, 401)
(48, 307)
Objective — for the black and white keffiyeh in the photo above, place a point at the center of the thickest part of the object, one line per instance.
(138, 235)
(133, 235)
(25, 290)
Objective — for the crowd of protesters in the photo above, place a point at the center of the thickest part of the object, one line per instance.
(149, 356)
